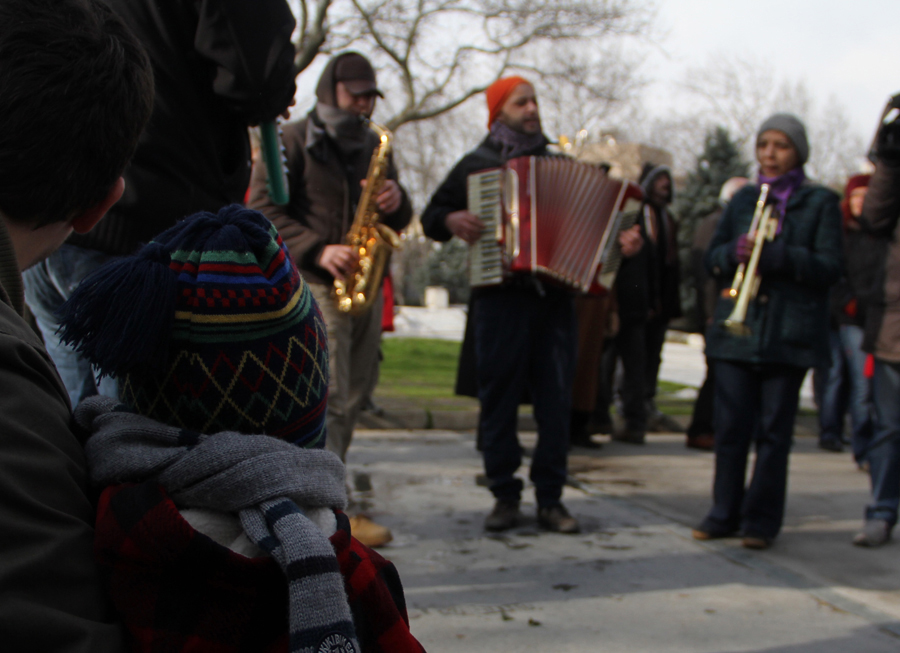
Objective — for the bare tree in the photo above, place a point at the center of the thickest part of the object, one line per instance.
(436, 54)
(426, 150)
(737, 93)
(740, 92)
(582, 88)
(313, 29)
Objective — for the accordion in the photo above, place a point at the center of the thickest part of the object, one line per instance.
(550, 216)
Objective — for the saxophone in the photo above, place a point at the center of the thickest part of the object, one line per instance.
(372, 240)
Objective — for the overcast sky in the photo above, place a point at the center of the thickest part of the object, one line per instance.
(850, 49)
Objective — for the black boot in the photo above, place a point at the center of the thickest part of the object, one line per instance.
(578, 431)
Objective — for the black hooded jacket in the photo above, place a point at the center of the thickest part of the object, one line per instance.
(219, 66)
(647, 285)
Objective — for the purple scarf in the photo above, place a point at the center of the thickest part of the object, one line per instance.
(782, 187)
(513, 143)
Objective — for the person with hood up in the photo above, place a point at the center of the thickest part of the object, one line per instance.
(647, 296)
(328, 155)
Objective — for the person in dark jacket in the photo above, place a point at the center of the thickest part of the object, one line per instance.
(62, 154)
(219, 66)
(647, 295)
(592, 314)
(328, 155)
(700, 432)
(758, 374)
(524, 330)
(847, 388)
(881, 218)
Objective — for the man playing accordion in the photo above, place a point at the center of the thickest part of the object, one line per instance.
(525, 332)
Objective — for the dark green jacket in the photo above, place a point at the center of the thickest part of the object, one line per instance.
(788, 320)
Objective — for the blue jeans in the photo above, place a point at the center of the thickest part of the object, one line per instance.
(847, 389)
(48, 285)
(752, 402)
(884, 449)
(525, 341)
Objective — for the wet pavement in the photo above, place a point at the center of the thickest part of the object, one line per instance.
(633, 580)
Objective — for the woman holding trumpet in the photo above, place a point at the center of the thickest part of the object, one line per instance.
(780, 242)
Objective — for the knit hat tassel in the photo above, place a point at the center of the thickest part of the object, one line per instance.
(132, 330)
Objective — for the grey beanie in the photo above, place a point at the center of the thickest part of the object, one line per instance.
(789, 124)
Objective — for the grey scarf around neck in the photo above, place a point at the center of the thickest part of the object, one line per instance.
(266, 481)
(514, 143)
(346, 129)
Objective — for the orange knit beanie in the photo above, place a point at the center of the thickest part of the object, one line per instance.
(498, 92)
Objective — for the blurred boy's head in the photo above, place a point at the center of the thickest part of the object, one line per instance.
(76, 89)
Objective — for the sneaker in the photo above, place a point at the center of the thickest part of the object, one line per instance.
(368, 532)
(875, 532)
(557, 519)
(504, 516)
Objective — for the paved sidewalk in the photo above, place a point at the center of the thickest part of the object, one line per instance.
(634, 580)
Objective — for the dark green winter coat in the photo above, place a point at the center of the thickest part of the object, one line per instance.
(788, 320)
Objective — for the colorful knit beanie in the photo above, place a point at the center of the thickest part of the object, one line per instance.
(210, 328)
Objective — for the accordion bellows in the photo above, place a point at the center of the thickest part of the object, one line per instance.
(550, 216)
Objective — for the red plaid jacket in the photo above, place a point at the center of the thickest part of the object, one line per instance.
(178, 590)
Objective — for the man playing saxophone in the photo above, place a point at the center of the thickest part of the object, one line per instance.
(328, 156)
(766, 334)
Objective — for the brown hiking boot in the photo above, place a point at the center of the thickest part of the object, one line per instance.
(368, 532)
(557, 519)
(504, 516)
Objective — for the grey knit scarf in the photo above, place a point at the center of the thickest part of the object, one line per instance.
(263, 479)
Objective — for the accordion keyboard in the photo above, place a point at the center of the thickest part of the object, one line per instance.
(485, 260)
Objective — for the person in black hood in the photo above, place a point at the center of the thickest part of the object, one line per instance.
(647, 294)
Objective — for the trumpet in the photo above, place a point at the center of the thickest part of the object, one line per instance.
(746, 280)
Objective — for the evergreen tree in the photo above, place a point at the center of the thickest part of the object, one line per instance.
(720, 161)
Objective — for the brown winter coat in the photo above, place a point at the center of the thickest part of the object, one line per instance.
(881, 218)
(323, 196)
